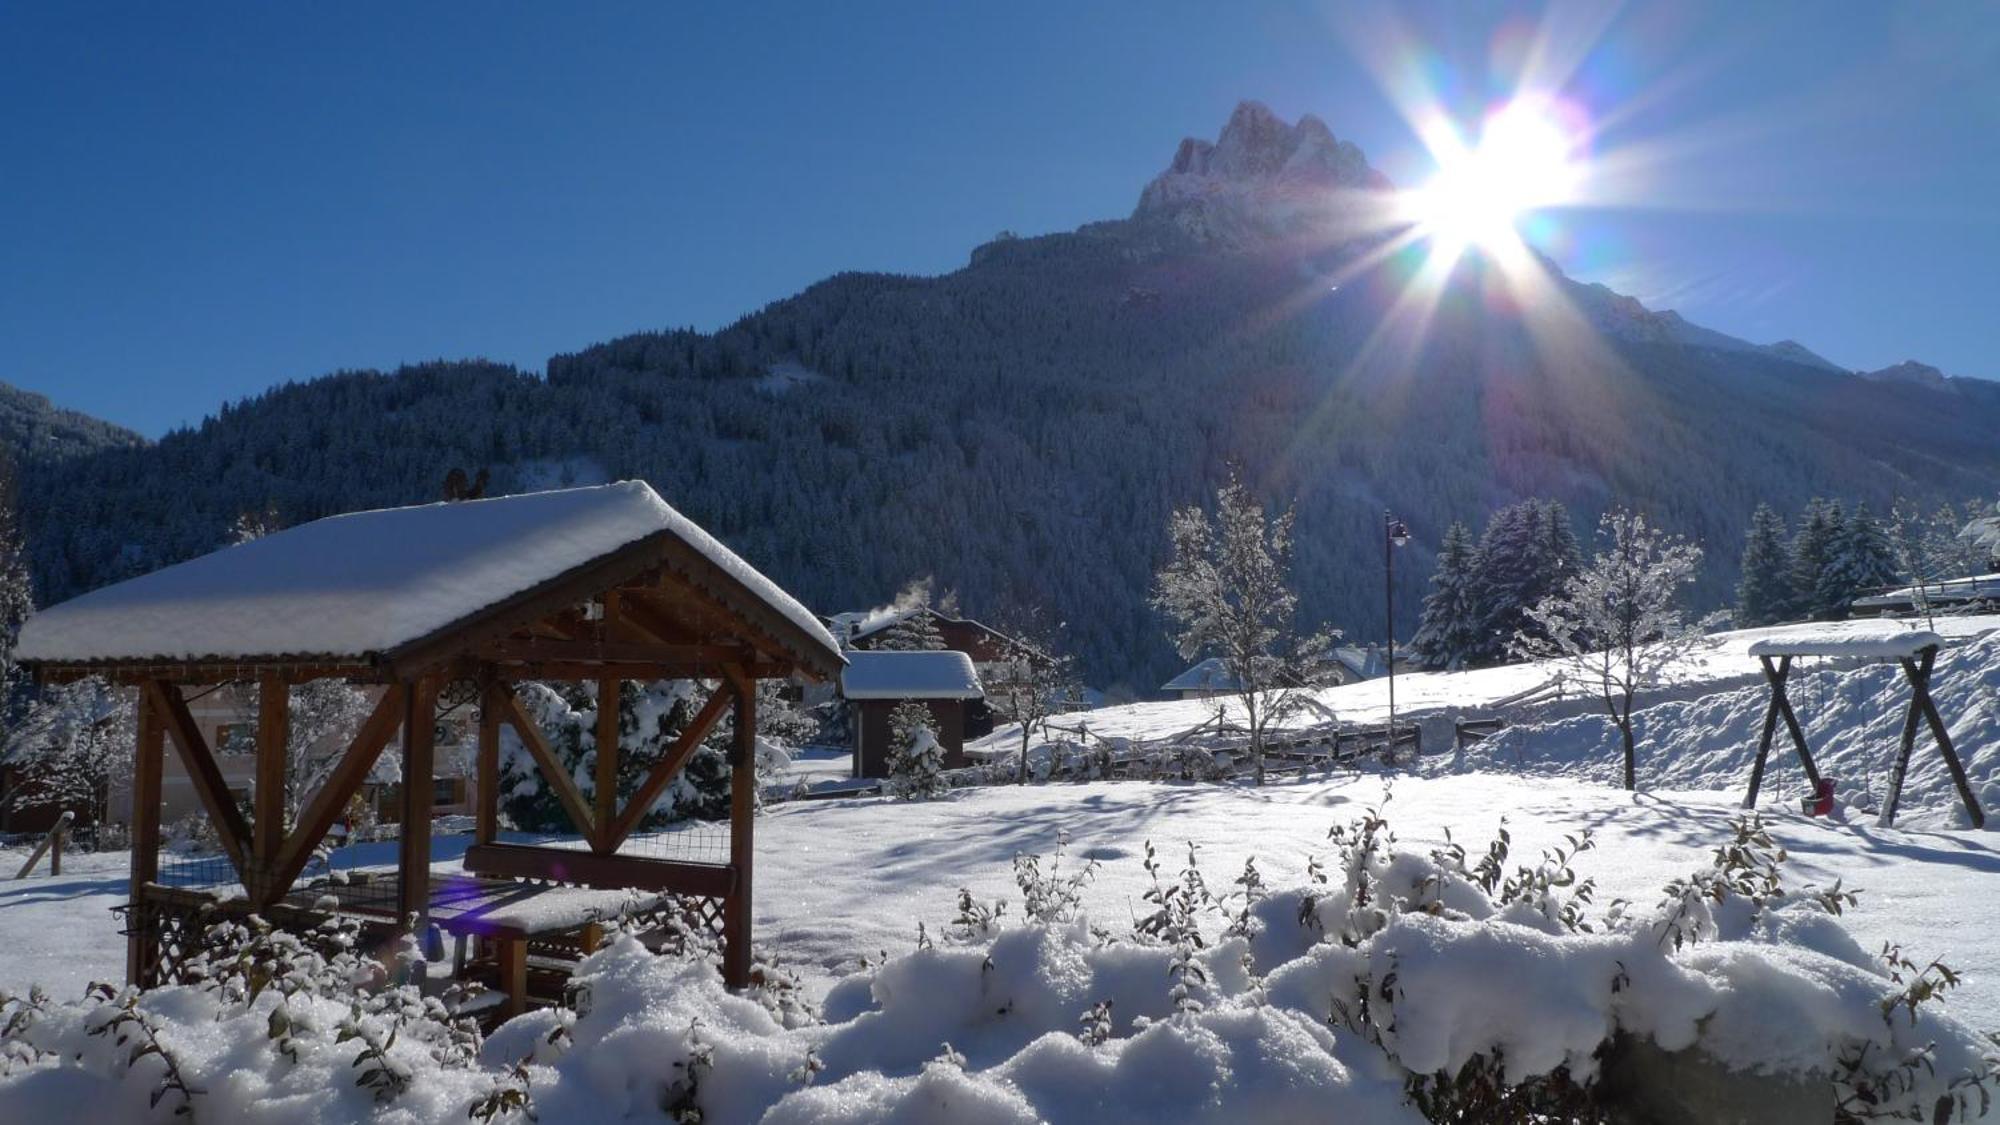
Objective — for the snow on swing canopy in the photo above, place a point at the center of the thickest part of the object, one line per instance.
(1879, 638)
(364, 584)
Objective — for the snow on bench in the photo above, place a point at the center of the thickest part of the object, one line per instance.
(1873, 638)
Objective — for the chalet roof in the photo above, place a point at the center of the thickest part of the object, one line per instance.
(1209, 675)
(1977, 587)
(945, 674)
(368, 585)
(859, 626)
(1877, 637)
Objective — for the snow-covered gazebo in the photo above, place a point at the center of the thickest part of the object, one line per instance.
(601, 584)
(1870, 639)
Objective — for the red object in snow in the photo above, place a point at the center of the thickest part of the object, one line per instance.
(1820, 801)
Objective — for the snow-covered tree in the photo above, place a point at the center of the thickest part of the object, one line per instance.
(650, 719)
(916, 761)
(17, 597)
(252, 524)
(1861, 560)
(1527, 551)
(1449, 628)
(74, 748)
(1617, 624)
(1818, 532)
(323, 716)
(1034, 680)
(1764, 593)
(1928, 549)
(1227, 590)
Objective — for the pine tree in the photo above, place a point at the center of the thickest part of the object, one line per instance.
(1861, 560)
(1449, 628)
(1527, 552)
(650, 719)
(916, 632)
(1819, 529)
(1764, 594)
(916, 761)
(17, 597)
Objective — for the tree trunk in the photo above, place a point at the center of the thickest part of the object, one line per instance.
(1631, 755)
(1024, 754)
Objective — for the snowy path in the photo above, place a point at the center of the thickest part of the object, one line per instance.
(838, 879)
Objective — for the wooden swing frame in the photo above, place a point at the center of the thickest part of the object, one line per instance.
(1917, 670)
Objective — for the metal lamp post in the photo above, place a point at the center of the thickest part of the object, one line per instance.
(1394, 534)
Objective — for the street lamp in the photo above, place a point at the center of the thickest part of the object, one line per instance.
(1394, 534)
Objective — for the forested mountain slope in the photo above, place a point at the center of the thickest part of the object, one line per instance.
(1020, 428)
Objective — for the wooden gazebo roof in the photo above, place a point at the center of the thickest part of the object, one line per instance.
(391, 594)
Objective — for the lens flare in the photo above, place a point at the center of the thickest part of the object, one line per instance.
(1528, 158)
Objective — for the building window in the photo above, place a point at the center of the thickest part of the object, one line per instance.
(444, 791)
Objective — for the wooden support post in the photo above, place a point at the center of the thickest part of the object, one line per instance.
(742, 835)
(267, 822)
(1776, 675)
(172, 712)
(512, 955)
(1902, 767)
(604, 802)
(141, 945)
(1920, 685)
(1798, 734)
(413, 867)
(486, 773)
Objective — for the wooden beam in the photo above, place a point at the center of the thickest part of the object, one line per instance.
(413, 845)
(736, 913)
(646, 615)
(202, 771)
(338, 789)
(142, 944)
(663, 771)
(1776, 675)
(552, 772)
(610, 652)
(605, 793)
(486, 771)
(590, 869)
(267, 824)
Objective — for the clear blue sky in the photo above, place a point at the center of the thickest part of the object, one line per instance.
(197, 201)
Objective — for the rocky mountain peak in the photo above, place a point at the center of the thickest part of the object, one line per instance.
(1261, 177)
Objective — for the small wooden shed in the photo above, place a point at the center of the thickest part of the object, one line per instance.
(874, 683)
(601, 584)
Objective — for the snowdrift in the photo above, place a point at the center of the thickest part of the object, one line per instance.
(1385, 985)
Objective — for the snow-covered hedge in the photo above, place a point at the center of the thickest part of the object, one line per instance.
(1385, 985)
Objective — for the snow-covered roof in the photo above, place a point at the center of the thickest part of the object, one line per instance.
(1978, 587)
(1879, 637)
(1209, 675)
(944, 674)
(361, 585)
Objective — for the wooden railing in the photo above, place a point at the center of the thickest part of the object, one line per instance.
(51, 845)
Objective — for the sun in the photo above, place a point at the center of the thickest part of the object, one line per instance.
(1527, 159)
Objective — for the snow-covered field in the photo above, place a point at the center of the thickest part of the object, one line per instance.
(838, 880)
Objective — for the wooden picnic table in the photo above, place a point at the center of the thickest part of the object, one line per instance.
(508, 915)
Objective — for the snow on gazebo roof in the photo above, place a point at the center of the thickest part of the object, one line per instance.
(945, 674)
(1878, 637)
(362, 584)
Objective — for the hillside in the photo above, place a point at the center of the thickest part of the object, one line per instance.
(1021, 427)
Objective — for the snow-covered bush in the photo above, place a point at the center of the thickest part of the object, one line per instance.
(1386, 985)
(916, 761)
